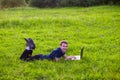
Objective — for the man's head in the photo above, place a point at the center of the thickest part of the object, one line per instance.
(30, 43)
(63, 45)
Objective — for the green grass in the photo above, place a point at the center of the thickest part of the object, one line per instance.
(95, 28)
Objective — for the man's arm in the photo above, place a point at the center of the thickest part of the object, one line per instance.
(65, 57)
(68, 57)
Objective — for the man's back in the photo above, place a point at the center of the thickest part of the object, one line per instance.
(57, 53)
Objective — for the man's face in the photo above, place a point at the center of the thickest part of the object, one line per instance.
(64, 47)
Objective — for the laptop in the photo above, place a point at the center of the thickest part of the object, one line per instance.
(77, 57)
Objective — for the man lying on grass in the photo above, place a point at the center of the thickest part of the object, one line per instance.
(54, 55)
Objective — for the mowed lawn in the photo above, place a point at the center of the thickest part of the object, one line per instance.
(95, 28)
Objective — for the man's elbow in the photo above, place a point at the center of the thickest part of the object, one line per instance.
(57, 60)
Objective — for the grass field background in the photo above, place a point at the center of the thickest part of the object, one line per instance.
(95, 28)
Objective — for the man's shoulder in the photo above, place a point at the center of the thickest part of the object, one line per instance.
(57, 49)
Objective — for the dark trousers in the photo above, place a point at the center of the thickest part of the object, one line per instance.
(39, 57)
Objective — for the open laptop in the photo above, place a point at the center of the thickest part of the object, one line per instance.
(77, 57)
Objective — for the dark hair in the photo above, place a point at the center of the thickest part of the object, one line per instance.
(63, 41)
